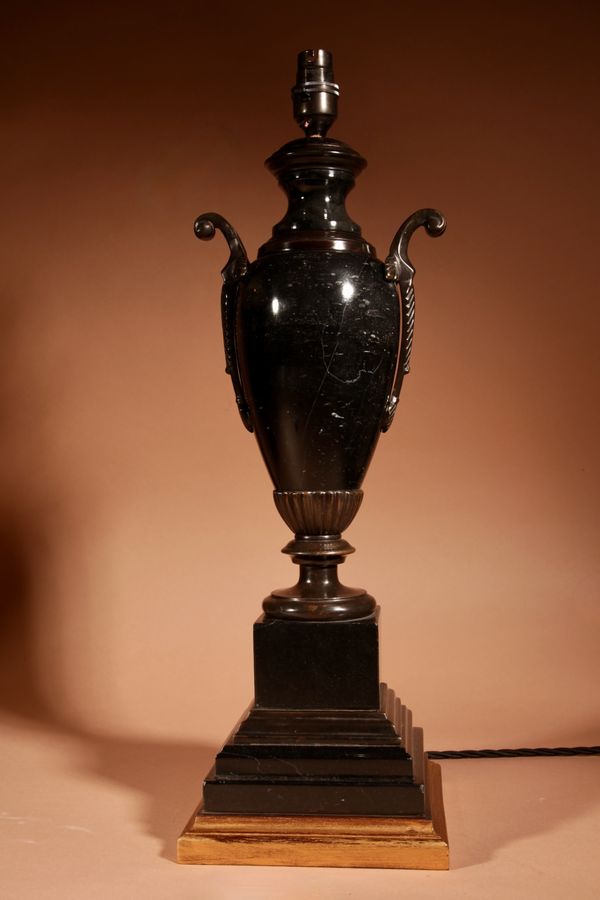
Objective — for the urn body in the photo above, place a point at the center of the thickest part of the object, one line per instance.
(316, 334)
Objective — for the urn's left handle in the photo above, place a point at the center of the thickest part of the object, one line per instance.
(234, 270)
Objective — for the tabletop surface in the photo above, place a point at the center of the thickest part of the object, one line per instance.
(95, 817)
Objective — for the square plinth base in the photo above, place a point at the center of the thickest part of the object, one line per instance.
(353, 841)
(316, 665)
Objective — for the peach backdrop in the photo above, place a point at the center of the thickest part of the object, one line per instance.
(137, 531)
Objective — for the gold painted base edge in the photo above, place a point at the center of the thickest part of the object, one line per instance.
(341, 841)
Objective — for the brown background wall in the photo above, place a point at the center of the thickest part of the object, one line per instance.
(137, 531)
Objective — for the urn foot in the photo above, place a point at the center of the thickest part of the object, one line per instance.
(317, 518)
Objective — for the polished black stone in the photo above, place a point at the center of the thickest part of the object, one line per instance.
(329, 743)
(317, 177)
(344, 796)
(317, 665)
(317, 338)
(335, 762)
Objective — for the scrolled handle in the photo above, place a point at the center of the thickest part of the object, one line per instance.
(235, 268)
(399, 269)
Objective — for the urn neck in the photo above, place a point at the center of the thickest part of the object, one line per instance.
(316, 175)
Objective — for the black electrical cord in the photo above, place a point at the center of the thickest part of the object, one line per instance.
(520, 751)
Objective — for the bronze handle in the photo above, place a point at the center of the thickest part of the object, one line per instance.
(399, 269)
(235, 269)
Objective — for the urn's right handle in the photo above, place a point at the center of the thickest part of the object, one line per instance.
(399, 269)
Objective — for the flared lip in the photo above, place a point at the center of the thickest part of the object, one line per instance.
(316, 153)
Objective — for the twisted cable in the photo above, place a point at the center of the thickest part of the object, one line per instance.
(516, 751)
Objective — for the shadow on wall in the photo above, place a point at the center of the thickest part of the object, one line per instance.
(168, 776)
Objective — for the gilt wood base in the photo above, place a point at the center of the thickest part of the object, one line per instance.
(345, 841)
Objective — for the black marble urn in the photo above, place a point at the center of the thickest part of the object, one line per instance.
(318, 335)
